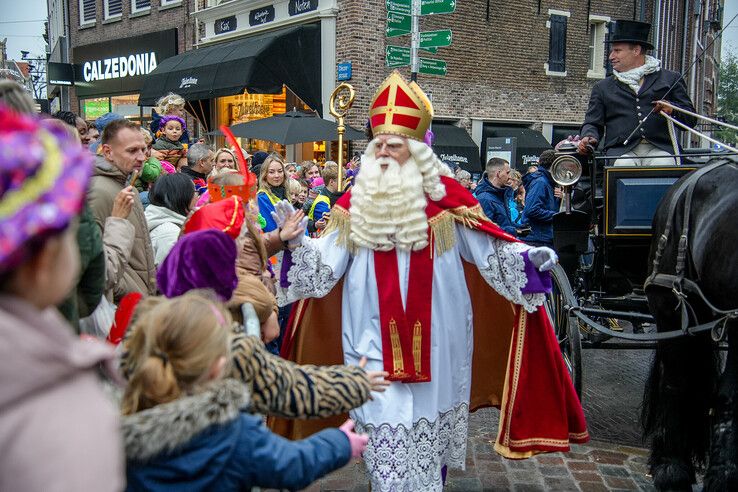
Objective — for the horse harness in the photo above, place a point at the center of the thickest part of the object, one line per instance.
(680, 286)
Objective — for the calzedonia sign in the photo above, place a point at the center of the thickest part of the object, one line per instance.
(119, 67)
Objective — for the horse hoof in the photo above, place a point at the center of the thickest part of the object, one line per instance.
(722, 477)
(673, 476)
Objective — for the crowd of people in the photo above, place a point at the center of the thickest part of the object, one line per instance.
(168, 259)
(124, 236)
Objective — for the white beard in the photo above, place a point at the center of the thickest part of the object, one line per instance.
(388, 207)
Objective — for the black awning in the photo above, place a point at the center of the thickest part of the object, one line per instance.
(261, 64)
(453, 145)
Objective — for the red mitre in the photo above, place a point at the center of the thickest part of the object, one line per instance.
(225, 215)
(400, 108)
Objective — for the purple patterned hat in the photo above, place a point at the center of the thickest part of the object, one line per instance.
(170, 117)
(44, 172)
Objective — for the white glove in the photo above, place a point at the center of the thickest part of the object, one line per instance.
(282, 210)
(543, 258)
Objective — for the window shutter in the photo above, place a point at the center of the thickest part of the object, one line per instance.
(608, 66)
(557, 44)
(88, 11)
(115, 7)
(142, 4)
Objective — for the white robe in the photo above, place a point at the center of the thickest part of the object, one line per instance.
(415, 429)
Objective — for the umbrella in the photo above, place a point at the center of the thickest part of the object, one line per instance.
(293, 127)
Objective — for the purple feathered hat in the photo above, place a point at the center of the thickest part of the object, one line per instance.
(170, 117)
(44, 172)
(200, 260)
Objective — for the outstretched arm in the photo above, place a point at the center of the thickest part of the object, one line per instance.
(282, 388)
(506, 267)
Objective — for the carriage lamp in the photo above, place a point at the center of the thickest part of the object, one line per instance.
(566, 171)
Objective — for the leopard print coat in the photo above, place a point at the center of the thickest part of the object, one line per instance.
(282, 388)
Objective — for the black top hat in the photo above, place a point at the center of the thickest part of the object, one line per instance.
(629, 31)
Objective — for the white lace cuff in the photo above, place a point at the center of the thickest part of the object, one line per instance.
(506, 274)
(307, 276)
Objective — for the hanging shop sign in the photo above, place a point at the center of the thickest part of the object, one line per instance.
(260, 16)
(226, 24)
(119, 67)
(297, 7)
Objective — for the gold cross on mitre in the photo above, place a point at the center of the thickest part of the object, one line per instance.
(400, 108)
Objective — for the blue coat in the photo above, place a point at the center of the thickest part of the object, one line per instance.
(206, 442)
(540, 205)
(494, 202)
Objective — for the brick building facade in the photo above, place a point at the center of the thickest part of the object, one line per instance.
(501, 71)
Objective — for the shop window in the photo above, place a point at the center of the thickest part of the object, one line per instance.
(140, 6)
(556, 24)
(91, 109)
(87, 12)
(245, 107)
(113, 8)
(597, 32)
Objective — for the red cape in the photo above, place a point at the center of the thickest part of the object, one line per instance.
(516, 366)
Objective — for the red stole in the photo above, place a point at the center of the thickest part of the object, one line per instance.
(406, 332)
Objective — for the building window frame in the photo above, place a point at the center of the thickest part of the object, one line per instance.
(598, 30)
(557, 24)
(135, 9)
(165, 4)
(106, 11)
(83, 22)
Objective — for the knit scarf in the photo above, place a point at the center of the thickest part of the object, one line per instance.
(632, 78)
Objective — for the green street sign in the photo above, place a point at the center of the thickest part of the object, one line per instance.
(431, 66)
(399, 6)
(435, 39)
(430, 50)
(397, 24)
(397, 56)
(428, 7)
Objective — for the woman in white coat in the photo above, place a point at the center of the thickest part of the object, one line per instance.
(172, 197)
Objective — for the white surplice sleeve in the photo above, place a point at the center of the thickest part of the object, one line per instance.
(313, 269)
(504, 266)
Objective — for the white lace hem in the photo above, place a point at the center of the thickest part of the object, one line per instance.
(399, 459)
(506, 274)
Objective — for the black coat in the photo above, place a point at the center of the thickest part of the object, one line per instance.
(615, 111)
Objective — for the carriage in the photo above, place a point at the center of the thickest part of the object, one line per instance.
(603, 238)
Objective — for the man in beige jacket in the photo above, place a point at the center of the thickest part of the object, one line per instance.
(129, 256)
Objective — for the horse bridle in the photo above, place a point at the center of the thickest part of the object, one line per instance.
(680, 286)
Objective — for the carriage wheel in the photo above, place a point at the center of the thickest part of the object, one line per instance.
(565, 326)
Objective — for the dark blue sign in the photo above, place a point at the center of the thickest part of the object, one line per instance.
(297, 7)
(261, 16)
(344, 71)
(227, 24)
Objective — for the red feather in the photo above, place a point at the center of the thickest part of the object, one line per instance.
(243, 166)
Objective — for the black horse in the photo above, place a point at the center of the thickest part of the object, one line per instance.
(690, 406)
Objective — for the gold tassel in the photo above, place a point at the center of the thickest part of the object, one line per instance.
(341, 221)
(443, 234)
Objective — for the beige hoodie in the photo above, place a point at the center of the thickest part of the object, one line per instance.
(58, 431)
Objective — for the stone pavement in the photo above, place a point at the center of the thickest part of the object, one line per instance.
(613, 460)
(597, 466)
